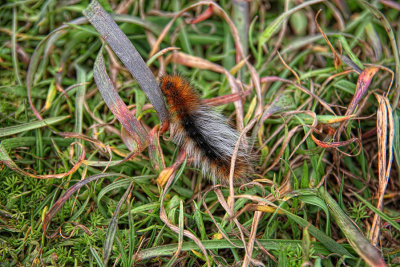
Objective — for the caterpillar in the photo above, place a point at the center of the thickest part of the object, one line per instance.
(205, 134)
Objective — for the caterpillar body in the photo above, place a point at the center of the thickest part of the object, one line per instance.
(202, 132)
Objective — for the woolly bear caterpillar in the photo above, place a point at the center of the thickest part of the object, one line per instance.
(202, 132)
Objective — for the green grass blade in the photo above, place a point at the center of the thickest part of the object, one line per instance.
(96, 257)
(380, 213)
(112, 227)
(360, 244)
(30, 126)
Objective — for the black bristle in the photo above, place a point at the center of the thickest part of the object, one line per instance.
(190, 127)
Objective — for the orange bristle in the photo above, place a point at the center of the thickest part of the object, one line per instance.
(180, 96)
(203, 133)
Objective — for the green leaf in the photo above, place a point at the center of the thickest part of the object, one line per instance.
(30, 126)
(269, 244)
(96, 257)
(356, 239)
(112, 227)
(316, 201)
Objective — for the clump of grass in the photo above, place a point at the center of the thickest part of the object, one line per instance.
(317, 92)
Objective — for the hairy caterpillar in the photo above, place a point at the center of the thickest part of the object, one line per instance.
(202, 132)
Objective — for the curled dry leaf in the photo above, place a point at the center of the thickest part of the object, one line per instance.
(363, 82)
(166, 174)
(268, 209)
(195, 62)
(117, 105)
(385, 135)
(155, 151)
(332, 144)
(203, 16)
(226, 99)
